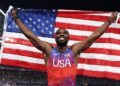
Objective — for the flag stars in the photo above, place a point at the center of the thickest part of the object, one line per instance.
(38, 26)
(51, 25)
(50, 32)
(34, 22)
(42, 31)
(9, 26)
(51, 19)
(34, 29)
(30, 25)
(30, 19)
(13, 23)
(46, 28)
(47, 21)
(26, 14)
(34, 16)
(16, 26)
(43, 17)
(48, 15)
(53, 10)
(38, 20)
(26, 21)
(43, 24)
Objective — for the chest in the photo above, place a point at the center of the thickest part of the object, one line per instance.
(62, 60)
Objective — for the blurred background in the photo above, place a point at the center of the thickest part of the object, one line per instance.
(16, 76)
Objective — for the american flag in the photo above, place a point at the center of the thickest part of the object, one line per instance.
(102, 59)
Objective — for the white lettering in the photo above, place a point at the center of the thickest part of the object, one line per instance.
(55, 65)
(68, 63)
(61, 63)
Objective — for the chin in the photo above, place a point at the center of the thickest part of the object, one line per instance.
(61, 44)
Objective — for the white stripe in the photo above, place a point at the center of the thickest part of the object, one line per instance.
(52, 40)
(100, 56)
(23, 58)
(77, 32)
(75, 10)
(20, 35)
(88, 33)
(21, 47)
(106, 45)
(99, 68)
(4, 30)
(84, 22)
(100, 14)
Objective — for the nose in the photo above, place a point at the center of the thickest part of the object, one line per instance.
(62, 34)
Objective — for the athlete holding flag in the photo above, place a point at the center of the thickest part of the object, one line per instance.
(61, 61)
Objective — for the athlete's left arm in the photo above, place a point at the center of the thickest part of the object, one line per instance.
(81, 46)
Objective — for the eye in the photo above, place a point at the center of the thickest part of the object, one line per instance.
(57, 33)
(66, 32)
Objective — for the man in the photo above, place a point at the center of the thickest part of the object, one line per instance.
(61, 61)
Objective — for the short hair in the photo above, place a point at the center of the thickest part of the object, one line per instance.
(63, 29)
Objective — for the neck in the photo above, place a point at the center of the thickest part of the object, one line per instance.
(61, 49)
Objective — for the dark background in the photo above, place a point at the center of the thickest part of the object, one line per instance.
(98, 5)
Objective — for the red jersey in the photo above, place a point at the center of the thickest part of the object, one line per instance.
(61, 68)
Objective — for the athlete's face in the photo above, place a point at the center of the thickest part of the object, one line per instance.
(62, 37)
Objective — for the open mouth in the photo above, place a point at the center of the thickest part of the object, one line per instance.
(61, 38)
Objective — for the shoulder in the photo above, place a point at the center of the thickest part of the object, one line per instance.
(76, 48)
(48, 48)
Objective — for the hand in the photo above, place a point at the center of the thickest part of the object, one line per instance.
(113, 17)
(14, 12)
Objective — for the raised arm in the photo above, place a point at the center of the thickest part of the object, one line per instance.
(81, 46)
(41, 45)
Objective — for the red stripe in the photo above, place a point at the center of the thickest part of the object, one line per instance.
(118, 20)
(103, 51)
(18, 41)
(40, 55)
(23, 64)
(99, 40)
(83, 16)
(23, 52)
(99, 62)
(99, 74)
(84, 27)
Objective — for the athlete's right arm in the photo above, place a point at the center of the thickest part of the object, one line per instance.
(41, 45)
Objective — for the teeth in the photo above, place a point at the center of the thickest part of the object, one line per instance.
(61, 38)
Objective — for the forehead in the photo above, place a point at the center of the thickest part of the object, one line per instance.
(62, 30)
